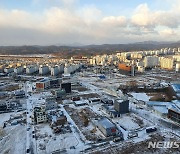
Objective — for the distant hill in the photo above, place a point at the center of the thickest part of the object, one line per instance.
(67, 51)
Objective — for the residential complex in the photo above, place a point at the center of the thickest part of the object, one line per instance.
(108, 103)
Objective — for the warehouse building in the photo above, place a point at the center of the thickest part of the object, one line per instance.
(107, 127)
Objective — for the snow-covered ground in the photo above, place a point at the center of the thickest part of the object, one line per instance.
(141, 96)
(54, 142)
(127, 122)
(14, 139)
(4, 117)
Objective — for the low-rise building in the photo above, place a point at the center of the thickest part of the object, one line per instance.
(81, 102)
(59, 93)
(107, 101)
(94, 100)
(107, 127)
(13, 105)
(19, 93)
(3, 106)
(43, 84)
(51, 104)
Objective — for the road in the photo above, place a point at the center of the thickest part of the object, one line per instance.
(30, 141)
(155, 119)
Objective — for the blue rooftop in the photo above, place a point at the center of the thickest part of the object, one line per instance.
(176, 87)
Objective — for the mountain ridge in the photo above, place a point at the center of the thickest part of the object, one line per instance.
(86, 49)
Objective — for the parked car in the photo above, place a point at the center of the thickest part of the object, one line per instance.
(151, 129)
(132, 135)
(117, 139)
(27, 150)
(72, 147)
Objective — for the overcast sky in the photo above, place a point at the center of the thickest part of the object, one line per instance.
(57, 22)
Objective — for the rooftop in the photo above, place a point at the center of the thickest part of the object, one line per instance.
(44, 80)
(157, 103)
(175, 108)
(106, 123)
(176, 87)
(161, 109)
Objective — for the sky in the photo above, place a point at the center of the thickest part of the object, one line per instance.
(74, 22)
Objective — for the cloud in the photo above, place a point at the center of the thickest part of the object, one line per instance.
(90, 14)
(119, 21)
(167, 32)
(15, 18)
(144, 17)
(168, 19)
(69, 2)
(60, 20)
(87, 24)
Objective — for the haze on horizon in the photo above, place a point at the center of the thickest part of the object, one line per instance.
(52, 22)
